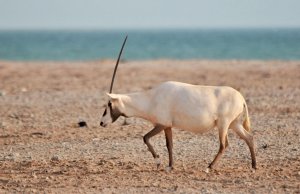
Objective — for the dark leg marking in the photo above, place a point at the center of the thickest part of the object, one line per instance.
(153, 132)
(169, 142)
(218, 156)
(248, 138)
(223, 130)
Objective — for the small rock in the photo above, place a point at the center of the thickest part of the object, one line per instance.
(54, 158)
(2, 125)
(66, 145)
(288, 110)
(2, 93)
(218, 173)
(125, 122)
(82, 124)
(23, 89)
(10, 157)
(128, 167)
(37, 134)
(14, 116)
(265, 146)
(168, 169)
(34, 175)
(28, 158)
(207, 170)
(284, 186)
(102, 162)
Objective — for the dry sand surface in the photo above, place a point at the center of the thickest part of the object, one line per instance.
(43, 150)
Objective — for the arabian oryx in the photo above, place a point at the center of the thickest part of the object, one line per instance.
(189, 107)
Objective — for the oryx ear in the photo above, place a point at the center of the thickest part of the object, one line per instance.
(113, 96)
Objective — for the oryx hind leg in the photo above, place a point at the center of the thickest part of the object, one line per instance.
(157, 129)
(248, 138)
(223, 137)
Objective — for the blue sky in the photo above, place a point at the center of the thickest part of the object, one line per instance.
(151, 14)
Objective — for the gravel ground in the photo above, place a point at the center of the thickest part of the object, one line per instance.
(42, 149)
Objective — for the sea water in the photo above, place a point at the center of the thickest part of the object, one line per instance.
(265, 44)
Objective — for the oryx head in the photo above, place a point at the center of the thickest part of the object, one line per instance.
(113, 108)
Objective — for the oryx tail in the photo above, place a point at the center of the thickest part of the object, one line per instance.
(246, 122)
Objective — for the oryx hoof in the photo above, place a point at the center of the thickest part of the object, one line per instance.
(158, 162)
(169, 169)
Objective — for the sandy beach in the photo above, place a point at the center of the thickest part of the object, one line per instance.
(42, 149)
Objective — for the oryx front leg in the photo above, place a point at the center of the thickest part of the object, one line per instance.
(169, 142)
(153, 132)
(223, 130)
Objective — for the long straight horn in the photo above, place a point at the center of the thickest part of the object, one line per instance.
(116, 67)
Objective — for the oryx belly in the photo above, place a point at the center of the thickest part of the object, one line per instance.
(199, 124)
(194, 114)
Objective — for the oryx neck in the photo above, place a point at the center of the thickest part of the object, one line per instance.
(136, 104)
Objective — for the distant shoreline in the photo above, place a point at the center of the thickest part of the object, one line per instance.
(108, 60)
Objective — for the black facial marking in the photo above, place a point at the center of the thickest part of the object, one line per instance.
(104, 112)
(114, 112)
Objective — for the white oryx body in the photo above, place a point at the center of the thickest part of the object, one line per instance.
(189, 107)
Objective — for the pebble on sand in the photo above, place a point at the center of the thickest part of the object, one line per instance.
(2, 93)
(82, 123)
(54, 158)
(2, 125)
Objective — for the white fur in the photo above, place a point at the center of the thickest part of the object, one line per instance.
(190, 107)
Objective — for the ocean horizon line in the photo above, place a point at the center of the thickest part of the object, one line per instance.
(150, 29)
